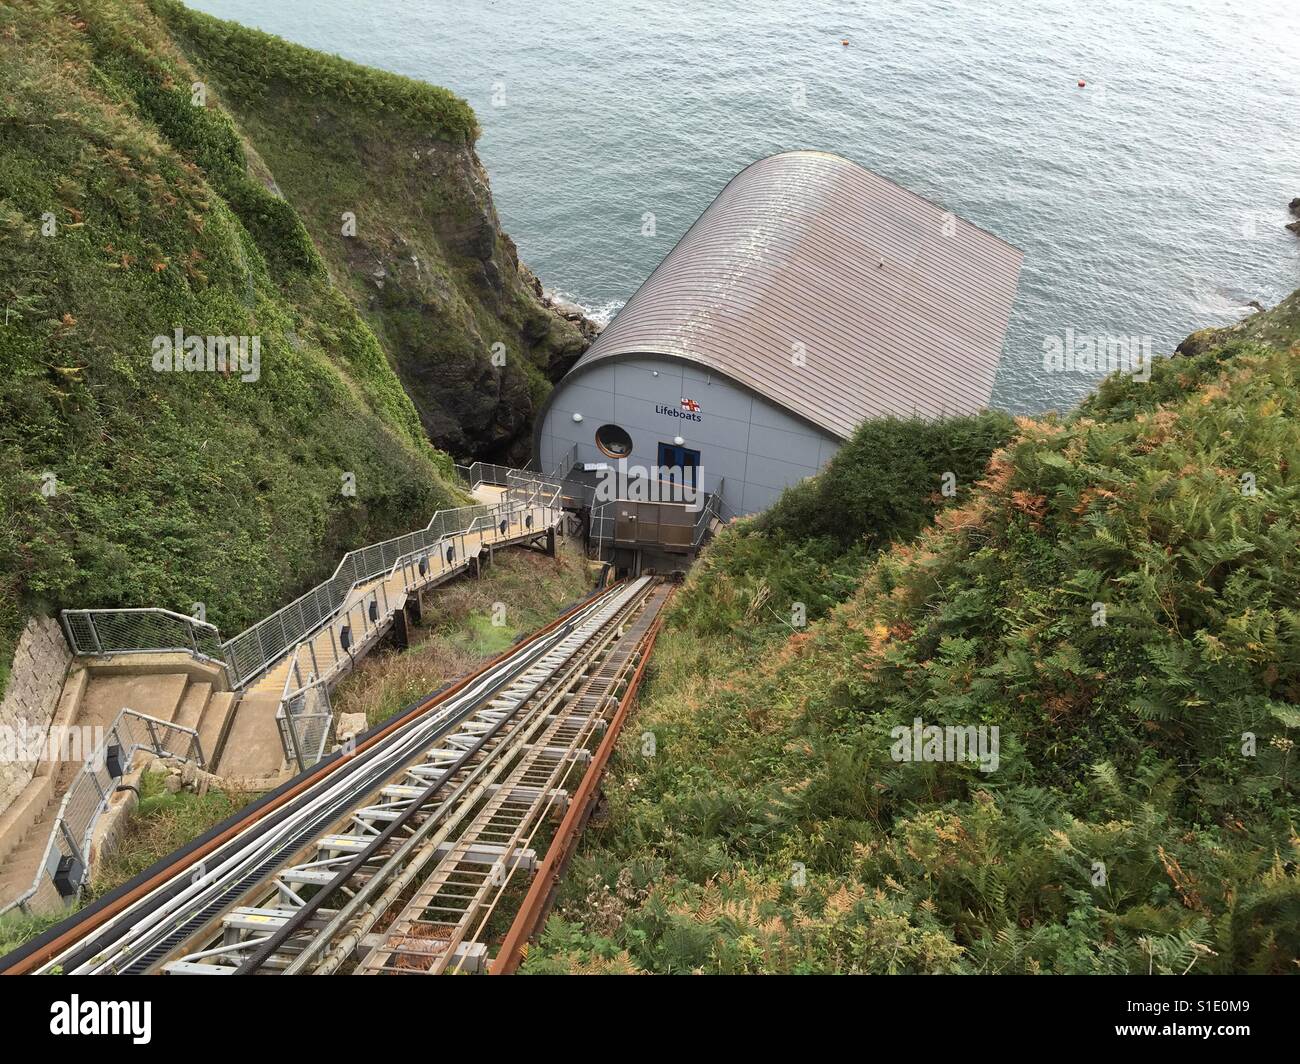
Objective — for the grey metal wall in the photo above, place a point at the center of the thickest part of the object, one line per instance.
(758, 447)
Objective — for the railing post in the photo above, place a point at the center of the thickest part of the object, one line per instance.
(94, 633)
(292, 728)
(153, 736)
(94, 778)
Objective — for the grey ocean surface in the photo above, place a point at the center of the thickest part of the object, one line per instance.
(1150, 203)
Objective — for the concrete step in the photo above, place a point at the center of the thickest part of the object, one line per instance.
(212, 724)
(40, 799)
(252, 747)
(21, 864)
(273, 681)
(157, 695)
(27, 809)
(193, 703)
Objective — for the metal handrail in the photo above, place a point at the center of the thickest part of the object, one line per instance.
(702, 522)
(67, 852)
(484, 520)
(567, 463)
(307, 699)
(256, 649)
(249, 654)
(486, 473)
(114, 631)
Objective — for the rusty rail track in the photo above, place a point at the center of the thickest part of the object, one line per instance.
(541, 893)
(405, 855)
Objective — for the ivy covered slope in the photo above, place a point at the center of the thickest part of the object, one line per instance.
(392, 160)
(126, 213)
(1143, 814)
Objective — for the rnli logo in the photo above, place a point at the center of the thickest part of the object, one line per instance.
(689, 410)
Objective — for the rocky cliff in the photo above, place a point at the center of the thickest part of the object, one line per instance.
(383, 172)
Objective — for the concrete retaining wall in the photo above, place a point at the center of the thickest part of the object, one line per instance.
(30, 700)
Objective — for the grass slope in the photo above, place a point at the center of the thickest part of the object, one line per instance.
(125, 212)
(1144, 814)
(428, 264)
(471, 621)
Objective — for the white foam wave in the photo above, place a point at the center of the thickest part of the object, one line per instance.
(601, 313)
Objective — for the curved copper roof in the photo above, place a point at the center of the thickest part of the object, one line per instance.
(900, 306)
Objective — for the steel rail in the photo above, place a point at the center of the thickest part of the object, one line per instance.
(604, 693)
(140, 901)
(408, 937)
(249, 868)
(541, 891)
(294, 924)
(616, 672)
(291, 915)
(269, 946)
(214, 892)
(397, 872)
(278, 839)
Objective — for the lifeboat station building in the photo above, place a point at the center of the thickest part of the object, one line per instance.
(812, 294)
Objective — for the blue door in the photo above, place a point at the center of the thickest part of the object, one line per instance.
(678, 465)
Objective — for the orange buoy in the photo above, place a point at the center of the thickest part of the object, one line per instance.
(1082, 83)
(845, 42)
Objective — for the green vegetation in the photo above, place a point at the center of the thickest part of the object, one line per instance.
(811, 548)
(128, 211)
(524, 590)
(160, 824)
(887, 482)
(17, 927)
(1117, 595)
(424, 259)
(261, 63)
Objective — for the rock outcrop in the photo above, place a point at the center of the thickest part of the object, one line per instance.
(398, 204)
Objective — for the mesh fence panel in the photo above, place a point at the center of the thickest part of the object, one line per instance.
(249, 653)
(305, 719)
(87, 796)
(93, 632)
(487, 473)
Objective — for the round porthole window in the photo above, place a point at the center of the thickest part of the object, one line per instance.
(613, 441)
